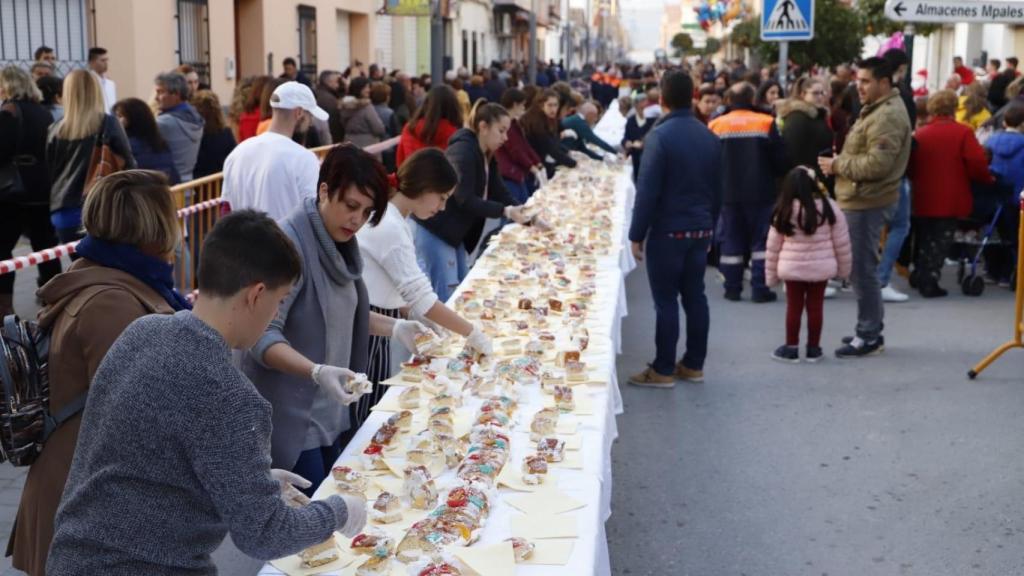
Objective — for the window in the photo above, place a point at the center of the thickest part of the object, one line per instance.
(307, 41)
(194, 37)
(465, 49)
(474, 54)
(60, 24)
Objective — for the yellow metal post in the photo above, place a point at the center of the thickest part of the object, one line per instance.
(1018, 316)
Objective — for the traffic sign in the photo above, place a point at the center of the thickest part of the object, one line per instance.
(787, 20)
(955, 11)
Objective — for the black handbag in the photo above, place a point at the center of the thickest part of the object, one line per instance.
(12, 188)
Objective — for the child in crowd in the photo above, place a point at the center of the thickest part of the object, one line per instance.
(808, 243)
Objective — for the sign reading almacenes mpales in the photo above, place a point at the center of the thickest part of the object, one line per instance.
(953, 11)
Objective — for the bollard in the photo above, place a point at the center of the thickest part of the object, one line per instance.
(1018, 316)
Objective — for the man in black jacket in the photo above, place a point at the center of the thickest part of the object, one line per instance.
(753, 157)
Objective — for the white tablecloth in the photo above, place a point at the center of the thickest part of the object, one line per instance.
(593, 484)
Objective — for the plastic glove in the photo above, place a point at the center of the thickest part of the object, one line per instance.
(333, 379)
(356, 509)
(541, 176)
(568, 133)
(434, 326)
(405, 331)
(480, 342)
(288, 482)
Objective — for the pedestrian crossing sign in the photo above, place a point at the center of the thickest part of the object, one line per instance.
(787, 20)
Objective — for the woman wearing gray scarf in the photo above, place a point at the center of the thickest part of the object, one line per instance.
(305, 362)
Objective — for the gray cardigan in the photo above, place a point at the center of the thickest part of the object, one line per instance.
(300, 323)
(172, 455)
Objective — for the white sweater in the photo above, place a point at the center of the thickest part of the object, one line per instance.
(392, 275)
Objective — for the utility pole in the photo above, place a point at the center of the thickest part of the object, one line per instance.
(908, 42)
(436, 44)
(532, 52)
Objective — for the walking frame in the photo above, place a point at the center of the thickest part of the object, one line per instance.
(1018, 317)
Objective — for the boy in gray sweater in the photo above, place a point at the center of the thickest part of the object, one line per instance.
(174, 448)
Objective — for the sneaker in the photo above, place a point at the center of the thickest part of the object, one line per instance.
(814, 354)
(790, 354)
(846, 286)
(688, 374)
(732, 296)
(858, 348)
(763, 297)
(651, 379)
(890, 294)
(830, 292)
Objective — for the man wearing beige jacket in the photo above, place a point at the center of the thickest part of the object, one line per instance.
(868, 174)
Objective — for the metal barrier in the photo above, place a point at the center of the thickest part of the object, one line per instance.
(1018, 316)
(198, 203)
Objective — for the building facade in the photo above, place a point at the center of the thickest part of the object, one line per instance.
(223, 39)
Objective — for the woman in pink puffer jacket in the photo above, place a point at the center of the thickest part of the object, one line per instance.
(808, 244)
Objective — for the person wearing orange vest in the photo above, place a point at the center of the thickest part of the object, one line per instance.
(753, 157)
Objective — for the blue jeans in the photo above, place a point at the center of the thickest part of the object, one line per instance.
(518, 190)
(315, 464)
(444, 264)
(899, 227)
(675, 270)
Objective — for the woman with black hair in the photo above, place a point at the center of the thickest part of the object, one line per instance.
(768, 93)
(306, 363)
(540, 125)
(148, 146)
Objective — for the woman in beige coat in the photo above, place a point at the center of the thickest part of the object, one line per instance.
(124, 273)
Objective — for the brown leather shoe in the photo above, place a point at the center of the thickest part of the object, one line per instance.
(651, 379)
(687, 375)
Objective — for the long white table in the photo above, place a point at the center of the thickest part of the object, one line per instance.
(593, 484)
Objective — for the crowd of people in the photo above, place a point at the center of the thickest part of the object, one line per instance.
(311, 271)
(315, 267)
(832, 180)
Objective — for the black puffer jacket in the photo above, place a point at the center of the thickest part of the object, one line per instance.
(69, 160)
(462, 220)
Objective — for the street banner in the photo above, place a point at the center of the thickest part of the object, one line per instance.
(406, 7)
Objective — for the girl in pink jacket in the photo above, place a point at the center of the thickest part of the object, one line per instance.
(807, 245)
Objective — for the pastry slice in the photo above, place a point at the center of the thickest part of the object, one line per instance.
(409, 399)
(319, 554)
(348, 480)
(521, 547)
(386, 509)
(375, 566)
(534, 469)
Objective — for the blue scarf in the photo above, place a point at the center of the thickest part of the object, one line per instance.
(154, 272)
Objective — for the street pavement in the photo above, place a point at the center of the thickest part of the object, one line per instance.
(894, 464)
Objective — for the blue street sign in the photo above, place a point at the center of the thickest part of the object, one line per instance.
(787, 20)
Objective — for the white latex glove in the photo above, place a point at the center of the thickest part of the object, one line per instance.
(433, 326)
(356, 508)
(567, 133)
(515, 214)
(479, 341)
(333, 379)
(289, 483)
(542, 177)
(405, 331)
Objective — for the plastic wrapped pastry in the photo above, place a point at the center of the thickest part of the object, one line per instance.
(409, 399)
(564, 399)
(419, 488)
(522, 548)
(386, 509)
(535, 467)
(552, 449)
(348, 480)
(374, 542)
(544, 423)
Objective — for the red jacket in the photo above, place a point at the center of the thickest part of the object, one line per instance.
(408, 143)
(943, 164)
(516, 157)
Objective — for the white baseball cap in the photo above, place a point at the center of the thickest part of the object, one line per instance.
(292, 95)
